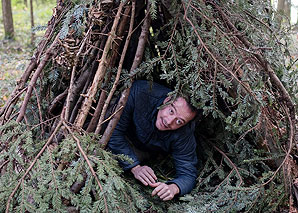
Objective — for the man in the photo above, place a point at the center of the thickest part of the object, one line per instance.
(152, 122)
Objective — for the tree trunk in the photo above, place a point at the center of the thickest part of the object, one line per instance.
(7, 19)
(288, 9)
(281, 5)
(32, 22)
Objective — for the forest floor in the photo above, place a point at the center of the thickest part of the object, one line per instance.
(16, 54)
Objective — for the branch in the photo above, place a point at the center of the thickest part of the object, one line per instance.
(99, 73)
(33, 80)
(273, 78)
(88, 162)
(70, 90)
(124, 96)
(33, 163)
(18, 90)
(107, 102)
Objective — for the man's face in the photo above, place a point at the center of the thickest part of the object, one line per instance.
(174, 115)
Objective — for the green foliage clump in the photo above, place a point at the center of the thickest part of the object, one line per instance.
(52, 185)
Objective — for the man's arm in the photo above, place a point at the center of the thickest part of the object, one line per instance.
(185, 159)
(118, 143)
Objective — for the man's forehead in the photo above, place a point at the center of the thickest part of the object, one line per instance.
(183, 108)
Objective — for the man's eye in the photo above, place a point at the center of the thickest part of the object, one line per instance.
(171, 111)
(179, 122)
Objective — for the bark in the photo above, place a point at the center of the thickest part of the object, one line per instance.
(7, 19)
(80, 120)
(124, 96)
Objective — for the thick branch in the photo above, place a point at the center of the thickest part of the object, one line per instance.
(124, 96)
(34, 78)
(99, 74)
(107, 102)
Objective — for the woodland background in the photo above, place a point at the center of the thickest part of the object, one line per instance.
(239, 170)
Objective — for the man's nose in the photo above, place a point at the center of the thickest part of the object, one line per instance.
(171, 119)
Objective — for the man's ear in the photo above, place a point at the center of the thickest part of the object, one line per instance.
(167, 99)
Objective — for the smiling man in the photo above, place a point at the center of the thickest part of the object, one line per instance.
(152, 122)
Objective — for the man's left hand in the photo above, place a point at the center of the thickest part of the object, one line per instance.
(165, 191)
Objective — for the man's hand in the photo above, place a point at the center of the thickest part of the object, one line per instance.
(144, 174)
(165, 191)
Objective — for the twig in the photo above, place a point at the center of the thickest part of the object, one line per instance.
(88, 162)
(232, 164)
(39, 110)
(96, 115)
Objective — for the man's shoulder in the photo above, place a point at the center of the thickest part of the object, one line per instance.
(149, 89)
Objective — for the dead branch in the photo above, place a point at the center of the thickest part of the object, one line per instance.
(107, 102)
(33, 80)
(99, 73)
(67, 112)
(124, 96)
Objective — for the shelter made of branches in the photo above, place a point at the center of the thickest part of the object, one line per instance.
(227, 56)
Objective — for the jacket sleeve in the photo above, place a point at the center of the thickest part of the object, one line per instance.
(185, 159)
(118, 143)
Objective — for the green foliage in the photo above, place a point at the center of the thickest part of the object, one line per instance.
(47, 187)
(75, 19)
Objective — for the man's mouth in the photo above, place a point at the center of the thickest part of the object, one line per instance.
(164, 124)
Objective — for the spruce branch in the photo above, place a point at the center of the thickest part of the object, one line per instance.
(273, 77)
(88, 162)
(245, 86)
(34, 161)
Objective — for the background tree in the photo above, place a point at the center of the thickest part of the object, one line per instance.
(32, 22)
(7, 19)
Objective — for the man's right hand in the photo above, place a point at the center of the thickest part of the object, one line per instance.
(144, 174)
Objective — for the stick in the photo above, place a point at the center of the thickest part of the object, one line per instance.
(124, 96)
(107, 102)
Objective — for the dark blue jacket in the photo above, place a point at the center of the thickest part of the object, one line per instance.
(137, 122)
